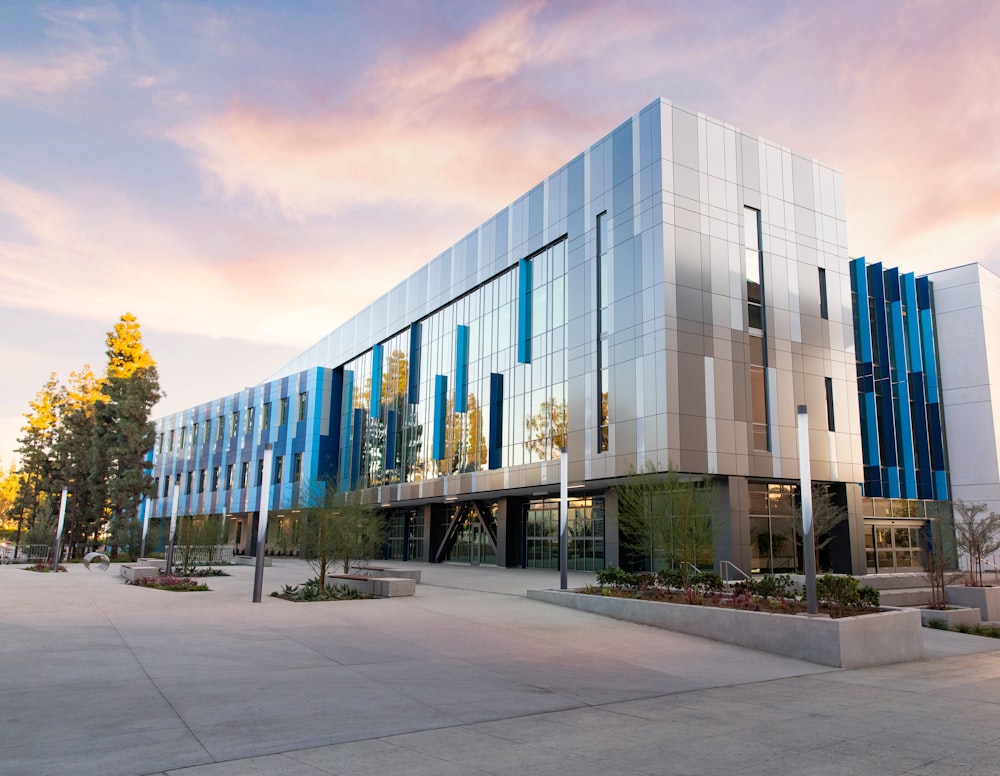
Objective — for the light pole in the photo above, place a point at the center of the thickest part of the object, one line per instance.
(59, 530)
(805, 489)
(563, 519)
(265, 492)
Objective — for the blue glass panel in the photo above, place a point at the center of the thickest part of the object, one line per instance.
(496, 421)
(375, 405)
(414, 366)
(440, 412)
(524, 312)
(462, 369)
(359, 433)
(390, 439)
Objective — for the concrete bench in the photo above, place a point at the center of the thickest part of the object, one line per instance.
(381, 587)
(136, 571)
(385, 571)
(158, 563)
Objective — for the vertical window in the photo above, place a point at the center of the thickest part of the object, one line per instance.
(159, 447)
(220, 427)
(297, 467)
(156, 486)
(245, 474)
(206, 431)
(249, 420)
(166, 487)
(758, 393)
(201, 481)
(831, 423)
(170, 442)
(260, 472)
(183, 440)
(265, 417)
(302, 407)
(194, 434)
(283, 411)
(603, 300)
(279, 463)
(752, 252)
(215, 478)
(824, 309)
(754, 256)
(234, 424)
(229, 476)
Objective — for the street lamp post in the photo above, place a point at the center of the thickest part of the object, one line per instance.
(805, 489)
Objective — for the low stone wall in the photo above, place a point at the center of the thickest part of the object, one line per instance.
(951, 617)
(985, 599)
(848, 642)
(385, 571)
(381, 587)
(135, 571)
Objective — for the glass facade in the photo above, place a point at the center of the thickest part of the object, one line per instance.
(585, 530)
(773, 541)
(419, 426)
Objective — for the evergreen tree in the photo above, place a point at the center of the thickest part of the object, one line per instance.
(36, 449)
(131, 389)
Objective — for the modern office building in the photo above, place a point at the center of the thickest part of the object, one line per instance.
(668, 297)
(967, 316)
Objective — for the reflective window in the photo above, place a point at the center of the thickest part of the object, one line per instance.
(283, 411)
(265, 417)
(302, 407)
(248, 417)
(753, 251)
(773, 536)
(391, 440)
(245, 474)
(603, 302)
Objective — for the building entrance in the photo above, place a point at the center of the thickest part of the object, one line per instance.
(471, 536)
(894, 547)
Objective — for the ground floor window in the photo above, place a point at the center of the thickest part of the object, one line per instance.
(773, 541)
(406, 535)
(585, 529)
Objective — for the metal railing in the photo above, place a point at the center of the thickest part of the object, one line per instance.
(726, 569)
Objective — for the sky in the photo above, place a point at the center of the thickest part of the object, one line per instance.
(243, 177)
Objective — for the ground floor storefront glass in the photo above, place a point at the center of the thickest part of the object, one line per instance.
(585, 531)
(773, 544)
(406, 535)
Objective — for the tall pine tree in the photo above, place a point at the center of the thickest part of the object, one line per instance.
(125, 433)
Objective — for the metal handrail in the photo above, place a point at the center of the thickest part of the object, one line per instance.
(996, 568)
(726, 566)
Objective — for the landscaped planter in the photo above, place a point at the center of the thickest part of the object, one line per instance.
(952, 617)
(985, 599)
(847, 642)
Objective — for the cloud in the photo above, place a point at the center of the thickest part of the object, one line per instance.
(457, 126)
(75, 55)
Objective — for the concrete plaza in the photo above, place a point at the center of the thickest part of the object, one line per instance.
(467, 677)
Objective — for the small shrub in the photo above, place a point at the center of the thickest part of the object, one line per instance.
(706, 582)
(171, 582)
(311, 591)
(937, 625)
(868, 597)
(615, 578)
(43, 566)
(672, 579)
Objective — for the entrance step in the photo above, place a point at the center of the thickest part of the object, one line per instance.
(917, 579)
(914, 596)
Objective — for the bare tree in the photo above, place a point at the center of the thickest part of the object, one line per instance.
(977, 536)
(336, 527)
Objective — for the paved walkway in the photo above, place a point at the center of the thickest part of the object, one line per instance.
(468, 677)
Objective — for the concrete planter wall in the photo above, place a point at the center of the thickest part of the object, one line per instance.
(951, 617)
(985, 599)
(849, 642)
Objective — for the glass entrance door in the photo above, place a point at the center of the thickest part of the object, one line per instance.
(893, 547)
